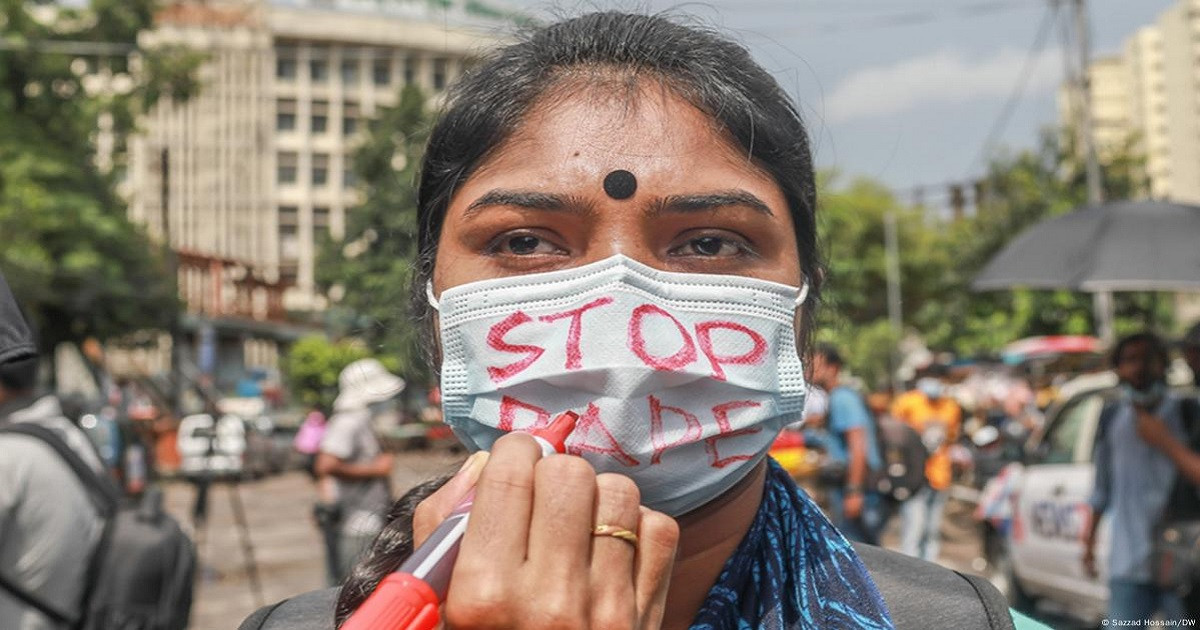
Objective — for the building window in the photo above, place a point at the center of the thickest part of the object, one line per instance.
(320, 117)
(318, 70)
(349, 178)
(289, 215)
(350, 71)
(285, 122)
(349, 119)
(288, 274)
(285, 115)
(285, 68)
(320, 170)
(439, 74)
(320, 223)
(289, 240)
(320, 122)
(410, 71)
(285, 167)
(381, 72)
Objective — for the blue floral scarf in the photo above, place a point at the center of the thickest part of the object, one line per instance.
(792, 571)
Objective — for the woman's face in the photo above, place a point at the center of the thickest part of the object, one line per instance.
(538, 204)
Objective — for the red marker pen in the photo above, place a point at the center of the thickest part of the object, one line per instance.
(409, 598)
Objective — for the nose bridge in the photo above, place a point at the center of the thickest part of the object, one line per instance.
(623, 229)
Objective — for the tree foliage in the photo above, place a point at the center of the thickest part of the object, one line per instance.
(939, 258)
(372, 267)
(72, 256)
(312, 367)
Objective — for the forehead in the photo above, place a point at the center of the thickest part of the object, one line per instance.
(579, 132)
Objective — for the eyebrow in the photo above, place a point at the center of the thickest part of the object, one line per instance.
(528, 199)
(551, 202)
(711, 201)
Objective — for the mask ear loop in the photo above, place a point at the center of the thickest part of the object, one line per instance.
(433, 301)
(800, 299)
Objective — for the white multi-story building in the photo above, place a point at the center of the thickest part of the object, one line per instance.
(246, 174)
(1148, 98)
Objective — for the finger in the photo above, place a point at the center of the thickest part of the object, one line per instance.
(436, 507)
(498, 530)
(612, 559)
(658, 538)
(561, 527)
(493, 548)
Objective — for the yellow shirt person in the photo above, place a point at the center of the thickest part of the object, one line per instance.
(938, 421)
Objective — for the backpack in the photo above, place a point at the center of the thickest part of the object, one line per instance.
(141, 574)
(903, 456)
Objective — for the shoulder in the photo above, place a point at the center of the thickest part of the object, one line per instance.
(847, 408)
(924, 595)
(25, 454)
(309, 611)
(348, 420)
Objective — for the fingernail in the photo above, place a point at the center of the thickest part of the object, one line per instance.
(467, 463)
(473, 464)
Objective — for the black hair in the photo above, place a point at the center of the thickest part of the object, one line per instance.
(608, 49)
(830, 353)
(1158, 347)
(19, 375)
(388, 551)
(717, 76)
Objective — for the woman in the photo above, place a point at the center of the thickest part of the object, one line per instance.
(617, 218)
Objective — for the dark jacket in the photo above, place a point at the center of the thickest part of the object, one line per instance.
(920, 596)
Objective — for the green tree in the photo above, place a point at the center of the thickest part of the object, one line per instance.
(1022, 190)
(939, 258)
(372, 268)
(312, 366)
(854, 316)
(74, 259)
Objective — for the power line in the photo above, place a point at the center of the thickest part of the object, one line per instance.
(1018, 91)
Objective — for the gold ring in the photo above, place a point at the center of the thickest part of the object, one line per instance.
(616, 532)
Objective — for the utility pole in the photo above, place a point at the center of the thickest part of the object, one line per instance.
(1087, 138)
(1102, 302)
(174, 382)
(895, 315)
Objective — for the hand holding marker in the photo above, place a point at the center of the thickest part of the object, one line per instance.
(409, 598)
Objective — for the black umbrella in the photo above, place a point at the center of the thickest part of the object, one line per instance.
(1118, 246)
(16, 340)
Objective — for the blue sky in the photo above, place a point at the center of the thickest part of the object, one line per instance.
(904, 91)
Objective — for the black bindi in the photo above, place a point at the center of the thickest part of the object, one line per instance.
(620, 184)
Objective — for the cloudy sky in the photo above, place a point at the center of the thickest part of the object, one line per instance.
(906, 91)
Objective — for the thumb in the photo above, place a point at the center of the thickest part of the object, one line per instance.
(436, 507)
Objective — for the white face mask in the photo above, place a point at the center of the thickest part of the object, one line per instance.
(682, 381)
(931, 387)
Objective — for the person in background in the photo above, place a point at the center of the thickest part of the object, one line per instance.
(938, 420)
(1135, 478)
(325, 510)
(352, 457)
(47, 519)
(855, 508)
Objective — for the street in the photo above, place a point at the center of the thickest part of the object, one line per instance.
(289, 553)
(286, 544)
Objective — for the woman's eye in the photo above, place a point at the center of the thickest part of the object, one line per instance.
(712, 246)
(523, 245)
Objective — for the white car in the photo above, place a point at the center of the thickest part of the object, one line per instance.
(211, 447)
(1036, 515)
